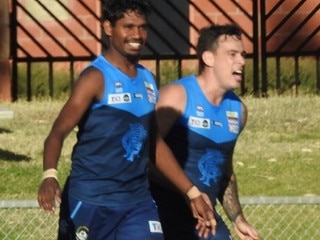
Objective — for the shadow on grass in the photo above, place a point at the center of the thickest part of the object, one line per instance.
(4, 130)
(11, 156)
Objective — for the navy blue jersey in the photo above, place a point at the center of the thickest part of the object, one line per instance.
(204, 137)
(109, 160)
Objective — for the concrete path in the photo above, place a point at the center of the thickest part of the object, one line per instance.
(6, 113)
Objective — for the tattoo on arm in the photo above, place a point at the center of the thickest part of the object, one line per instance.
(230, 199)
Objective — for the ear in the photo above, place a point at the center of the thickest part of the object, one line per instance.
(208, 58)
(107, 27)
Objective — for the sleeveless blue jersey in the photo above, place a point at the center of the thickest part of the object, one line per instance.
(204, 137)
(109, 160)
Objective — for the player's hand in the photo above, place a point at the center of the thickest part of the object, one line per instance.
(244, 230)
(202, 209)
(49, 192)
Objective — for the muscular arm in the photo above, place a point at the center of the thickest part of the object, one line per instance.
(229, 197)
(87, 89)
(230, 200)
(169, 108)
(166, 115)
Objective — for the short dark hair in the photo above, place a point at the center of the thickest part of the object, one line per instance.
(208, 38)
(112, 10)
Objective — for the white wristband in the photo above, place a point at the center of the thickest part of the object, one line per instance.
(193, 193)
(50, 173)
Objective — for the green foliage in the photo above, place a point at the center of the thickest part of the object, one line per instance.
(168, 71)
(286, 76)
(39, 85)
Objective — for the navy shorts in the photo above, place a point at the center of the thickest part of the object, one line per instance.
(177, 219)
(83, 221)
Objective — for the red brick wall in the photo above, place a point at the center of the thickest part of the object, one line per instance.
(282, 12)
(216, 16)
(212, 12)
(292, 23)
(62, 35)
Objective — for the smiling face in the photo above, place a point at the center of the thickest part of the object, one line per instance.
(128, 35)
(228, 62)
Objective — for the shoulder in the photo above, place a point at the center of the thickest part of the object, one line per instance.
(90, 82)
(173, 90)
(179, 86)
(244, 115)
(90, 74)
(172, 95)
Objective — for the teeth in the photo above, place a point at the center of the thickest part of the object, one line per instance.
(238, 71)
(135, 45)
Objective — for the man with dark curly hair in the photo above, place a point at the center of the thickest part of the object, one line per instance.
(107, 196)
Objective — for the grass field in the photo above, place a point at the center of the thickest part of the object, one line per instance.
(276, 155)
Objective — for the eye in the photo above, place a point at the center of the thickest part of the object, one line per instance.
(129, 26)
(232, 54)
(143, 27)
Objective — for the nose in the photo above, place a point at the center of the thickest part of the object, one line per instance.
(242, 59)
(137, 32)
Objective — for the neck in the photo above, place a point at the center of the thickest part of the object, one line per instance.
(127, 65)
(211, 89)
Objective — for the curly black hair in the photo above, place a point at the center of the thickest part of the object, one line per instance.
(112, 10)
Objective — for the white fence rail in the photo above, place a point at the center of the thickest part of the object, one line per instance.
(276, 218)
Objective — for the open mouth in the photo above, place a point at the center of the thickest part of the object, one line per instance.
(237, 72)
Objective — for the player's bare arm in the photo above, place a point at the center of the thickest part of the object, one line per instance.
(169, 108)
(230, 199)
(87, 89)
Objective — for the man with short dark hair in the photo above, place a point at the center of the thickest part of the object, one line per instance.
(200, 118)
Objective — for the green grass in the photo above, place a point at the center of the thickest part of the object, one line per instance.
(276, 155)
(278, 151)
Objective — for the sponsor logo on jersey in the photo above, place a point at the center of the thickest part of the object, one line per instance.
(118, 87)
(233, 117)
(200, 111)
(233, 121)
(151, 92)
(197, 122)
(82, 233)
(138, 95)
(216, 123)
(119, 98)
(155, 227)
(234, 128)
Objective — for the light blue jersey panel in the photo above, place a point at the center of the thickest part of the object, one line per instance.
(204, 137)
(109, 161)
(136, 95)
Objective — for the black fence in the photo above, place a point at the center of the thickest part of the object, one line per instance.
(300, 26)
(169, 40)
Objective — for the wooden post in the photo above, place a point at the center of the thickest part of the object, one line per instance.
(5, 76)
